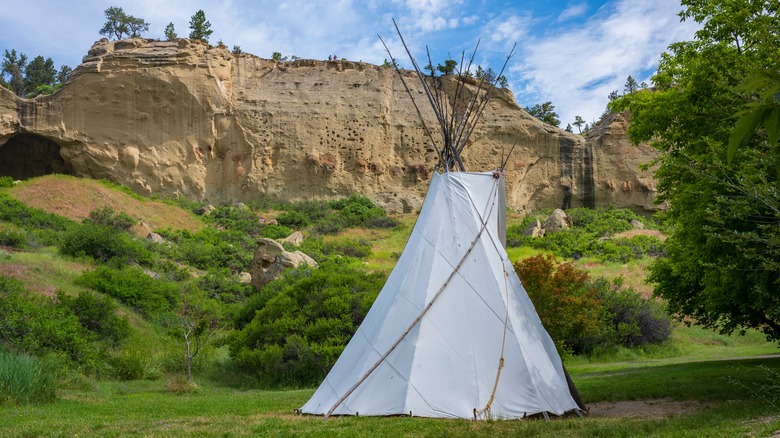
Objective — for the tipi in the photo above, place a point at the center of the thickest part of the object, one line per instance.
(452, 333)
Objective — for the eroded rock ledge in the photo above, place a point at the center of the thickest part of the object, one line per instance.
(180, 118)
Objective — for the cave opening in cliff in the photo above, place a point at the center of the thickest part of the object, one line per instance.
(26, 156)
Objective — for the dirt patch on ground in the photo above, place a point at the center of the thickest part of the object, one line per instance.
(647, 409)
(13, 270)
(631, 233)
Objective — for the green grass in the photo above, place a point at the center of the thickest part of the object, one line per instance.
(44, 271)
(721, 407)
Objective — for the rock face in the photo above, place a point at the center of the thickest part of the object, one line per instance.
(270, 259)
(179, 118)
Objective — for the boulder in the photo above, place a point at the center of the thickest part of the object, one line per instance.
(271, 259)
(156, 238)
(295, 238)
(534, 230)
(557, 221)
(244, 278)
(637, 225)
(206, 210)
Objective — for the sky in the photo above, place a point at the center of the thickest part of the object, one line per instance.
(572, 53)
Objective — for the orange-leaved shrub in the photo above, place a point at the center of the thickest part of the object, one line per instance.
(582, 315)
(569, 309)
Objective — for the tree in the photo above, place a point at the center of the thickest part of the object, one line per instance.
(64, 74)
(170, 32)
(631, 85)
(722, 267)
(39, 72)
(13, 67)
(118, 24)
(199, 321)
(448, 67)
(545, 112)
(237, 50)
(578, 122)
(568, 128)
(613, 95)
(200, 28)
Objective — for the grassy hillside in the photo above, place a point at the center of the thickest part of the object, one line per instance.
(696, 383)
(74, 198)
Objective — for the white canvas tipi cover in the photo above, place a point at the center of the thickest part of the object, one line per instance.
(451, 309)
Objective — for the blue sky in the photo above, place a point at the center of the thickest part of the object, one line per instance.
(572, 53)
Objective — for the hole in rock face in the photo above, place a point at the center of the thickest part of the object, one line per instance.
(26, 156)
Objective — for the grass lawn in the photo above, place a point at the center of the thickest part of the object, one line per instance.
(696, 398)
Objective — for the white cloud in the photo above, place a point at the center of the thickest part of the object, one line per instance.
(578, 68)
(573, 11)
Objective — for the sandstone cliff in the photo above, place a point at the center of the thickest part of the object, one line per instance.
(182, 119)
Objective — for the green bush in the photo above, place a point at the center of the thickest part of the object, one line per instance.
(6, 181)
(35, 324)
(25, 379)
(334, 216)
(239, 219)
(211, 249)
(632, 320)
(222, 285)
(28, 218)
(321, 251)
(275, 232)
(46, 237)
(104, 244)
(133, 287)
(292, 332)
(98, 315)
(13, 238)
(133, 364)
(107, 217)
(293, 219)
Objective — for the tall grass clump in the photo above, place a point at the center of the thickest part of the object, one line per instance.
(25, 379)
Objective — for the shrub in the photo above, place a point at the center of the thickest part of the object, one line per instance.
(292, 332)
(334, 216)
(133, 287)
(6, 181)
(107, 217)
(104, 244)
(25, 379)
(294, 219)
(275, 232)
(358, 248)
(37, 325)
(632, 320)
(28, 218)
(210, 249)
(569, 310)
(222, 285)
(239, 219)
(13, 238)
(98, 315)
(133, 364)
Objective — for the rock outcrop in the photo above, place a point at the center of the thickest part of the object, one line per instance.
(557, 221)
(180, 118)
(270, 260)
